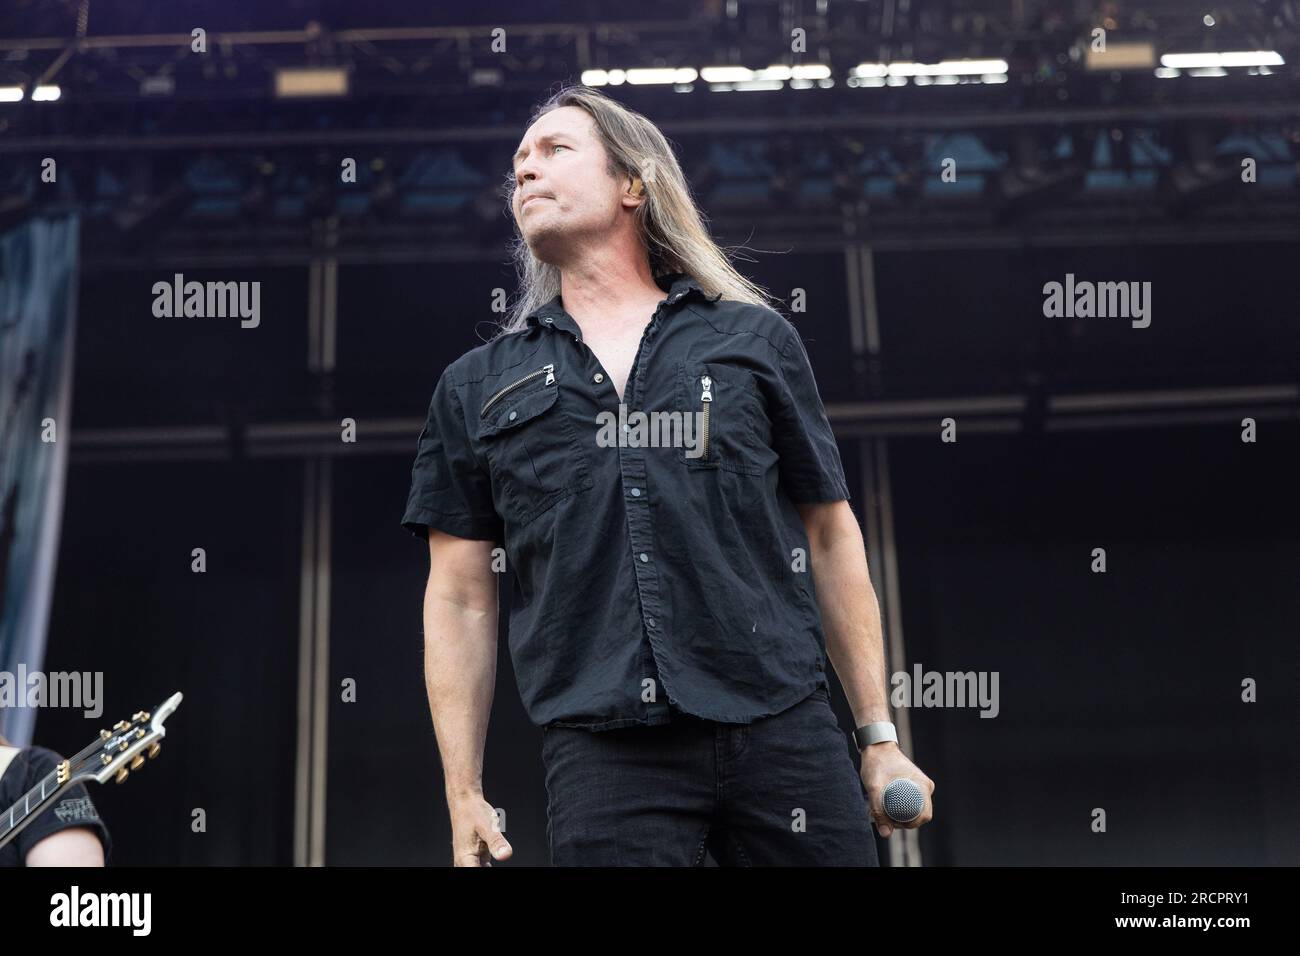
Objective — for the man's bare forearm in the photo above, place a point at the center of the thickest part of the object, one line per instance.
(460, 658)
(851, 619)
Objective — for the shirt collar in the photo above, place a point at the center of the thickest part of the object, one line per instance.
(676, 285)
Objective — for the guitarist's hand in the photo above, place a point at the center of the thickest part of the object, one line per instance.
(476, 838)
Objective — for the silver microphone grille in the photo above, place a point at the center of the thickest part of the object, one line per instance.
(903, 800)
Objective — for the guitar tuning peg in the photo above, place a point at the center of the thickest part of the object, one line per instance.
(104, 735)
(153, 750)
(121, 725)
(139, 715)
(122, 775)
(137, 763)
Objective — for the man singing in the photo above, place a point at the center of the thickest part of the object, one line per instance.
(666, 631)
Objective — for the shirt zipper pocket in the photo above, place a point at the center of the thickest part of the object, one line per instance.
(706, 399)
(548, 368)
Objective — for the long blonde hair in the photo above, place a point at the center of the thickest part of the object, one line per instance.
(671, 226)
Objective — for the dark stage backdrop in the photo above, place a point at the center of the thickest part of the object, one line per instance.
(1119, 690)
(971, 322)
(127, 603)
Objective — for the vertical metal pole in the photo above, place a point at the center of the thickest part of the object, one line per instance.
(877, 506)
(321, 660)
(314, 591)
(306, 628)
(882, 562)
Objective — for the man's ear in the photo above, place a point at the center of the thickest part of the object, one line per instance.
(638, 187)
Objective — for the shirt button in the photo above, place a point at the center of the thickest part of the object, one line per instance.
(636, 492)
(598, 378)
(513, 416)
(644, 556)
(548, 320)
(650, 622)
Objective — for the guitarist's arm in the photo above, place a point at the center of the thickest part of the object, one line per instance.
(69, 832)
(76, 846)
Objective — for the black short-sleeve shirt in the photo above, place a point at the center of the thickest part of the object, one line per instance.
(73, 808)
(668, 566)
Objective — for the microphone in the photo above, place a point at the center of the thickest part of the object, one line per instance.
(903, 800)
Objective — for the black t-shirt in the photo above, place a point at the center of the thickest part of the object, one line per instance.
(73, 808)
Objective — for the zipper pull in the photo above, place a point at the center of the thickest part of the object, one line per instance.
(550, 373)
(708, 386)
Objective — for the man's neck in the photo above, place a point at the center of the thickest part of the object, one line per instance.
(609, 292)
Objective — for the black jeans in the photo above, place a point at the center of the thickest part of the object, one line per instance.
(780, 791)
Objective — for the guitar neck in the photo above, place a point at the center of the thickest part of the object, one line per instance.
(30, 806)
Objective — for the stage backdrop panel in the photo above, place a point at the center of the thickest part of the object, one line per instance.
(1119, 690)
(129, 605)
(400, 325)
(972, 322)
(137, 369)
